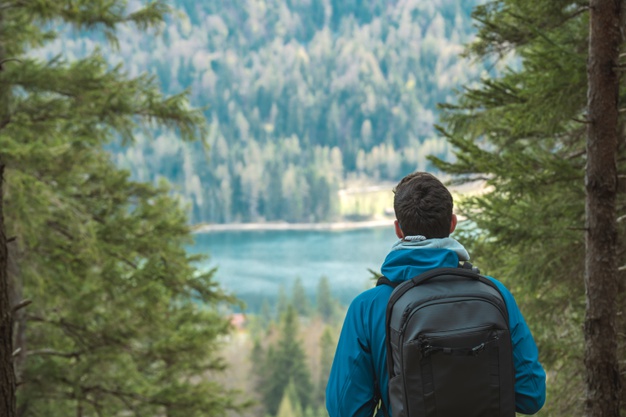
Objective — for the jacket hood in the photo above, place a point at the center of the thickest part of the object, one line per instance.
(410, 258)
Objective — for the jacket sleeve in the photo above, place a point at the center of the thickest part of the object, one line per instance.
(350, 389)
(530, 377)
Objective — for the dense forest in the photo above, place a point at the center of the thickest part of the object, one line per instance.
(303, 98)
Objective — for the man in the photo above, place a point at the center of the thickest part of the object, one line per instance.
(424, 221)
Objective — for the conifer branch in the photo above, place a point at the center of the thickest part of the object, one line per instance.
(80, 332)
(123, 259)
(4, 61)
(132, 396)
(7, 6)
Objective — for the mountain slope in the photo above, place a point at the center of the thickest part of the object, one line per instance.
(304, 96)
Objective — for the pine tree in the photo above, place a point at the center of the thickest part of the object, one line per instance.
(327, 348)
(326, 305)
(522, 133)
(121, 321)
(289, 405)
(286, 362)
(299, 298)
(282, 303)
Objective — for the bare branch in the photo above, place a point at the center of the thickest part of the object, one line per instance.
(21, 305)
(576, 154)
(17, 351)
(52, 352)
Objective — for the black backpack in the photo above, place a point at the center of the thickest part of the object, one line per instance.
(449, 348)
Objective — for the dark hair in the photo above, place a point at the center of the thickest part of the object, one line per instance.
(423, 206)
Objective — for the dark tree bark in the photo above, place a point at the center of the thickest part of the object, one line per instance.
(7, 375)
(19, 316)
(601, 271)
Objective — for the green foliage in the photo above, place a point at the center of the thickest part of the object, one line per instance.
(326, 304)
(299, 298)
(290, 404)
(121, 321)
(328, 346)
(523, 133)
(286, 364)
(282, 303)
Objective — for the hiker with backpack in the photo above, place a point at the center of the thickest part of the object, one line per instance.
(434, 337)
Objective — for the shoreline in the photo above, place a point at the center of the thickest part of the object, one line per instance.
(474, 188)
(281, 226)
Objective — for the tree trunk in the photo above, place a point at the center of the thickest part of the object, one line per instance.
(19, 317)
(7, 375)
(601, 273)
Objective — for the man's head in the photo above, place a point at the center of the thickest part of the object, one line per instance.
(423, 206)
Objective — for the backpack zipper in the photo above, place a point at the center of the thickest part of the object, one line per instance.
(408, 312)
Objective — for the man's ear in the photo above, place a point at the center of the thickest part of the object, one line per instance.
(398, 230)
(453, 223)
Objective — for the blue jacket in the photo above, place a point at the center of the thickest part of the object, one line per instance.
(360, 359)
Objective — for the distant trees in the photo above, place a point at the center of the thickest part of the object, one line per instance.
(289, 377)
(299, 298)
(326, 304)
(121, 321)
(523, 133)
(303, 97)
(286, 364)
(327, 347)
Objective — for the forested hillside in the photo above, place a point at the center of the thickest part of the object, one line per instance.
(303, 98)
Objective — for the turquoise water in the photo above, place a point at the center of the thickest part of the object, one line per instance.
(255, 264)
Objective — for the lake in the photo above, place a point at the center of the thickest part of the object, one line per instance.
(255, 264)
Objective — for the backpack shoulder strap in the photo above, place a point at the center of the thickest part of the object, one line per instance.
(469, 266)
(383, 280)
